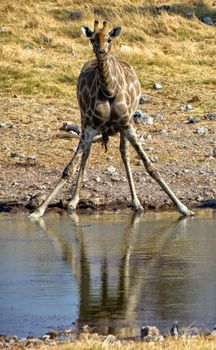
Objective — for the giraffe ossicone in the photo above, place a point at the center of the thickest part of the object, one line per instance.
(108, 93)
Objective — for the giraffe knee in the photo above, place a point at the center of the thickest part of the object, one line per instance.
(153, 172)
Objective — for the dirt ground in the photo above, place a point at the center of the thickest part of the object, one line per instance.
(34, 153)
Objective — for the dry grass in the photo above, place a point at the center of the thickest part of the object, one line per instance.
(43, 50)
(199, 343)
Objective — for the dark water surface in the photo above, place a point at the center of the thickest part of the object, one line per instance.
(116, 272)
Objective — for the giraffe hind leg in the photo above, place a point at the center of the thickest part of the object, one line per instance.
(125, 158)
(131, 136)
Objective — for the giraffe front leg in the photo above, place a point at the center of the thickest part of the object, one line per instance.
(75, 199)
(154, 173)
(125, 158)
(69, 170)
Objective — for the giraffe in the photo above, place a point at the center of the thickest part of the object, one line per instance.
(108, 93)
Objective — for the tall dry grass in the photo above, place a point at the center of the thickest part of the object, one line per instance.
(43, 50)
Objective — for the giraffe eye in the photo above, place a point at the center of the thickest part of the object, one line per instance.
(109, 40)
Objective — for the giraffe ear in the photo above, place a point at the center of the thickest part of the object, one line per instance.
(115, 32)
(86, 31)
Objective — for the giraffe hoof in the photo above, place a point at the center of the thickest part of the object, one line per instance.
(185, 211)
(71, 208)
(36, 214)
(138, 209)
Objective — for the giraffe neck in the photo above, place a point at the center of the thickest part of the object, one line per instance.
(107, 76)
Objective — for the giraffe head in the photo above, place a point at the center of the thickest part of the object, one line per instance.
(101, 38)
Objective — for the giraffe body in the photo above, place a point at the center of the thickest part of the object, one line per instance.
(108, 93)
(107, 108)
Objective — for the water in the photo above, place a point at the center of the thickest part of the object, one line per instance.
(115, 272)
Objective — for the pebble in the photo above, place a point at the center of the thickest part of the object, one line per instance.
(186, 108)
(143, 100)
(142, 118)
(150, 334)
(210, 116)
(147, 120)
(97, 178)
(163, 132)
(191, 120)
(201, 131)
(208, 20)
(110, 339)
(31, 158)
(15, 155)
(154, 159)
(4, 30)
(115, 178)
(111, 170)
(137, 117)
(157, 86)
(49, 66)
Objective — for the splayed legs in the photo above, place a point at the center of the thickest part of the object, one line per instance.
(130, 134)
(81, 151)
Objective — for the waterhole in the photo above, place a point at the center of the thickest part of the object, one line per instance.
(113, 271)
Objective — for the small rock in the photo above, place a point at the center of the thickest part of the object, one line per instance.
(111, 170)
(45, 337)
(49, 66)
(2, 125)
(150, 333)
(142, 118)
(143, 100)
(147, 120)
(139, 163)
(75, 15)
(15, 155)
(97, 178)
(201, 131)
(186, 108)
(137, 117)
(210, 116)
(167, 8)
(31, 158)
(207, 20)
(71, 127)
(210, 158)
(85, 179)
(115, 178)
(154, 159)
(110, 339)
(157, 86)
(163, 132)
(174, 330)
(214, 152)
(159, 116)
(191, 120)
(4, 30)
(46, 39)
(53, 334)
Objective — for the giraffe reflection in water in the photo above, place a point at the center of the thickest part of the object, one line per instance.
(114, 268)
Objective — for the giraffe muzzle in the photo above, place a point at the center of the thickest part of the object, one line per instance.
(101, 51)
